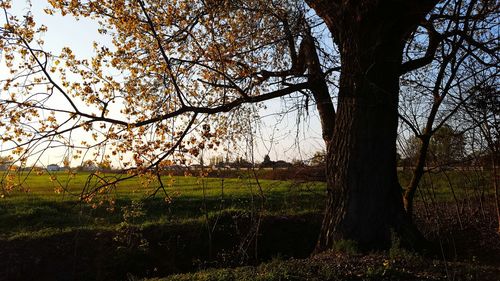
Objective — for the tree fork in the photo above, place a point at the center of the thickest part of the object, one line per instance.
(365, 202)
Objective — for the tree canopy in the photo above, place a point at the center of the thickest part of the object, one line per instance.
(171, 65)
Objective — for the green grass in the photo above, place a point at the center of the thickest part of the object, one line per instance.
(42, 205)
(446, 186)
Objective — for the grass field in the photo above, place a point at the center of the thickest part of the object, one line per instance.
(447, 186)
(45, 227)
(49, 203)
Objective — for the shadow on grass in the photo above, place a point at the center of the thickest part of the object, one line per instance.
(157, 250)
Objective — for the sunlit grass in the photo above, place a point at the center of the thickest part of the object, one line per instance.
(49, 203)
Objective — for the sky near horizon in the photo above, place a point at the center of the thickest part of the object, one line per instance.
(275, 134)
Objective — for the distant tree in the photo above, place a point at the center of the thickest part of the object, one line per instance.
(296, 162)
(103, 166)
(319, 158)
(241, 162)
(5, 161)
(88, 166)
(267, 159)
(482, 112)
(447, 146)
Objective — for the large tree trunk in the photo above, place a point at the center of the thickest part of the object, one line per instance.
(364, 196)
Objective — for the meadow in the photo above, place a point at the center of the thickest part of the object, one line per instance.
(50, 203)
(138, 229)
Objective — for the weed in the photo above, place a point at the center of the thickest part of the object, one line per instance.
(128, 235)
(346, 246)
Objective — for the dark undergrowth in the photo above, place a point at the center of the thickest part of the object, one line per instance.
(158, 250)
(464, 246)
(245, 247)
(336, 265)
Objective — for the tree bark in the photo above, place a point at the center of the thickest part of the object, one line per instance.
(365, 202)
(494, 179)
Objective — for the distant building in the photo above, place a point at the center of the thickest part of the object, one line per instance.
(53, 168)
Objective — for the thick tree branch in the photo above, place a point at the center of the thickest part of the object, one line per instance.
(319, 87)
(434, 41)
(228, 106)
